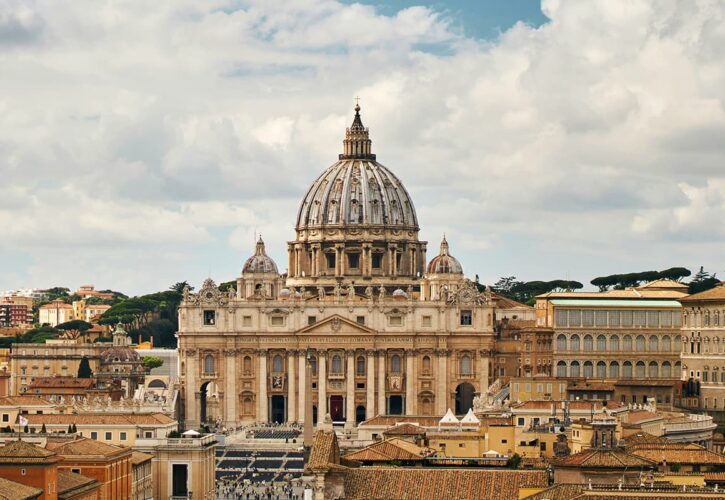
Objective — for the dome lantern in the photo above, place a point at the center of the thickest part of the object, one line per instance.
(357, 144)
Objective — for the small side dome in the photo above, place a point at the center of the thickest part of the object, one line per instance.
(444, 262)
(284, 293)
(400, 293)
(260, 262)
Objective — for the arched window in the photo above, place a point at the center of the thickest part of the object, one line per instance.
(678, 369)
(574, 371)
(588, 369)
(561, 343)
(614, 343)
(614, 369)
(588, 343)
(640, 343)
(247, 364)
(313, 366)
(336, 366)
(208, 363)
(654, 343)
(601, 343)
(666, 345)
(627, 343)
(666, 371)
(639, 370)
(247, 405)
(426, 365)
(360, 366)
(601, 369)
(575, 343)
(627, 369)
(395, 364)
(427, 405)
(465, 364)
(654, 371)
(277, 364)
(561, 369)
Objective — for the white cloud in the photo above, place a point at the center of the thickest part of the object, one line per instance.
(176, 130)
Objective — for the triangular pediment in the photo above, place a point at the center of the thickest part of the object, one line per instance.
(336, 324)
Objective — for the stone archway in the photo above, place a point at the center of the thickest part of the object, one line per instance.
(464, 398)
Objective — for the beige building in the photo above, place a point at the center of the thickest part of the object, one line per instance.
(384, 333)
(629, 334)
(703, 351)
(55, 313)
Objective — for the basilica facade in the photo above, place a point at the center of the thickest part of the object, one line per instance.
(362, 322)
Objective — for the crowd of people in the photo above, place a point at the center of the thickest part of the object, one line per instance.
(247, 490)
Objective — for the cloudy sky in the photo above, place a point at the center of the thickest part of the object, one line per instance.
(143, 143)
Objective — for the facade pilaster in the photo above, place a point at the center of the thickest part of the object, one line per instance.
(350, 390)
(442, 386)
(321, 385)
(192, 412)
(382, 407)
(262, 400)
(230, 396)
(410, 381)
(291, 387)
(483, 370)
(302, 369)
(370, 385)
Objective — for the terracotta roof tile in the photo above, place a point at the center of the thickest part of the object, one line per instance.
(717, 293)
(405, 429)
(24, 401)
(372, 483)
(87, 447)
(609, 458)
(635, 417)
(325, 451)
(391, 420)
(388, 450)
(138, 457)
(683, 455)
(101, 419)
(70, 482)
(558, 492)
(54, 382)
(23, 452)
(10, 490)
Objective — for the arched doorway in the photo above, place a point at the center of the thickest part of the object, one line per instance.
(278, 413)
(464, 398)
(359, 414)
(336, 409)
(202, 401)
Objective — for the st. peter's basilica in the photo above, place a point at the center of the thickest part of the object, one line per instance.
(361, 312)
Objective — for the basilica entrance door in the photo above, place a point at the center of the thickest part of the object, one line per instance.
(336, 409)
(464, 398)
(278, 409)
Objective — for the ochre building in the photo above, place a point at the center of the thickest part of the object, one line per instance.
(362, 319)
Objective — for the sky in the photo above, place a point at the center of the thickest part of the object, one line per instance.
(143, 144)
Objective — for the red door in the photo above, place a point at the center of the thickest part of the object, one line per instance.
(336, 409)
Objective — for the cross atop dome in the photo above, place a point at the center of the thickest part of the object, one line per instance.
(357, 144)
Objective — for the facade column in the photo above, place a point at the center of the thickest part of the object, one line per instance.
(290, 260)
(442, 389)
(262, 400)
(483, 369)
(230, 392)
(341, 256)
(350, 393)
(410, 381)
(382, 407)
(291, 387)
(192, 412)
(321, 385)
(302, 368)
(370, 385)
(297, 261)
(318, 260)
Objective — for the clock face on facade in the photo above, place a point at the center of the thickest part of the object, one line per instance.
(209, 295)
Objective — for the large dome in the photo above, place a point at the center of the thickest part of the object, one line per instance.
(357, 190)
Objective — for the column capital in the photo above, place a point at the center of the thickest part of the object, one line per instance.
(230, 353)
(261, 352)
(370, 352)
(191, 352)
(411, 352)
(349, 353)
(443, 352)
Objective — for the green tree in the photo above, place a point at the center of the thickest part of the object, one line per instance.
(43, 430)
(224, 287)
(513, 461)
(84, 368)
(702, 281)
(75, 328)
(151, 362)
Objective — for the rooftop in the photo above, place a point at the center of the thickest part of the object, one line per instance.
(101, 419)
(87, 448)
(71, 484)
(611, 458)
(10, 490)
(714, 294)
(24, 401)
(22, 452)
(388, 450)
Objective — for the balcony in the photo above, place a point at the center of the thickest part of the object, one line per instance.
(209, 375)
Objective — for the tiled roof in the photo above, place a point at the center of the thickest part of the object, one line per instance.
(558, 492)
(10, 490)
(385, 451)
(101, 419)
(635, 417)
(391, 420)
(23, 452)
(24, 401)
(603, 458)
(138, 457)
(87, 447)
(717, 293)
(405, 429)
(573, 405)
(325, 451)
(69, 483)
(683, 455)
(74, 382)
(507, 303)
(372, 483)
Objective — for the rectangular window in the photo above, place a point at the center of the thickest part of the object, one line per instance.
(395, 320)
(109, 436)
(626, 317)
(426, 321)
(353, 260)
(601, 318)
(542, 446)
(640, 318)
(360, 385)
(521, 421)
(377, 260)
(561, 317)
(539, 388)
(575, 318)
(246, 321)
(653, 319)
(311, 320)
(209, 317)
(516, 388)
(360, 320)
(528, 388)
(94, 435)
(548, 388)
(148, 434)
(613, 318)
(277, 321)
(122, 436)
(330, 260)
(562, 389)
(587, 318)
(665, 319)
(6, 417)
(75, 471)
(466, 318)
